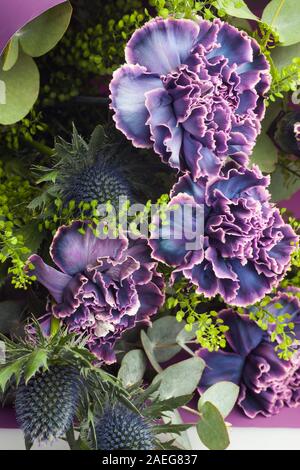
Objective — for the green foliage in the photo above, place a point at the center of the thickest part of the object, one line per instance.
(208, 328)
(281, 326)
(236, 8)
(285, 79)
(282, 16)
(21, 88)
(223, 395)
(285, 180)
(163, 336)
(132, 368)
(31, 127)
(207, 9)
(284, 65)
(42, 34)
(92, 51)
(16, 193)
(37, 352)
(180, 379)
(293, 277)
(265, 154)
(212, 429)
(19, 74)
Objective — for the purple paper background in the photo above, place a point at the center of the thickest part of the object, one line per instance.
(287, 418)
(14, 14)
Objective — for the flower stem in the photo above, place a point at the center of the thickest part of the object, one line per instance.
(42, 148)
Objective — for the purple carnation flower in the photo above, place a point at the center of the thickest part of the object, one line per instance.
(266, 382)
(246, 246)
(103, 287)
(192, 90)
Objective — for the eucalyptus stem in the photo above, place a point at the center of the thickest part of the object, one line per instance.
(191, 410)
(42, 148)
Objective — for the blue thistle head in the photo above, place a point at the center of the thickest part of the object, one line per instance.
(105, 169)
(101, 182)
(287, 134)
(121, 429)
(47, 404)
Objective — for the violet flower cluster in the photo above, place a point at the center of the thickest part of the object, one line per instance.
(246, 246)
(267, 383)
(102, 286)
(192, 90)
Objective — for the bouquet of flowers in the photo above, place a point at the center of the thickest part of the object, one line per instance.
(146, 273)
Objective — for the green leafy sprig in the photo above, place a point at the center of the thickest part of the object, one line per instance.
(209, 329)
(280, 326)
(16, 192)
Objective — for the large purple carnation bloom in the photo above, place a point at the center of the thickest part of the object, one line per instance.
(246, 245)
(266, 382)
(192, 90)
(103, 287)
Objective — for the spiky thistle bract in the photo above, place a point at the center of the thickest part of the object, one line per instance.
(50, 369)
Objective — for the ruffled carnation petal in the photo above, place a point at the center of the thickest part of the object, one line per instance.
(267, 383)
(72, 251)
(162, 45)
(128, 87)
(266, 379)
(186, 185)
(209, 104)
(235, 45)
(170, 240)
(49, 277)
(165, 133)
(152, 298)
(246, 243)
(235, 182)
(114, 284)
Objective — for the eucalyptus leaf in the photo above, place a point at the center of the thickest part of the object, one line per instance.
(149, 350)
(283, 16)
(180, 379)
(265, 154)
(21, 89)
(36, 360)
(133, 368)
(237, 8)
(163, 334)
(282, 188)
(11, 54)
(184, 336)
(212, 429)
(283, 56)
(40, 35)
(223, 395)
(2, 92)
(242, 24)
